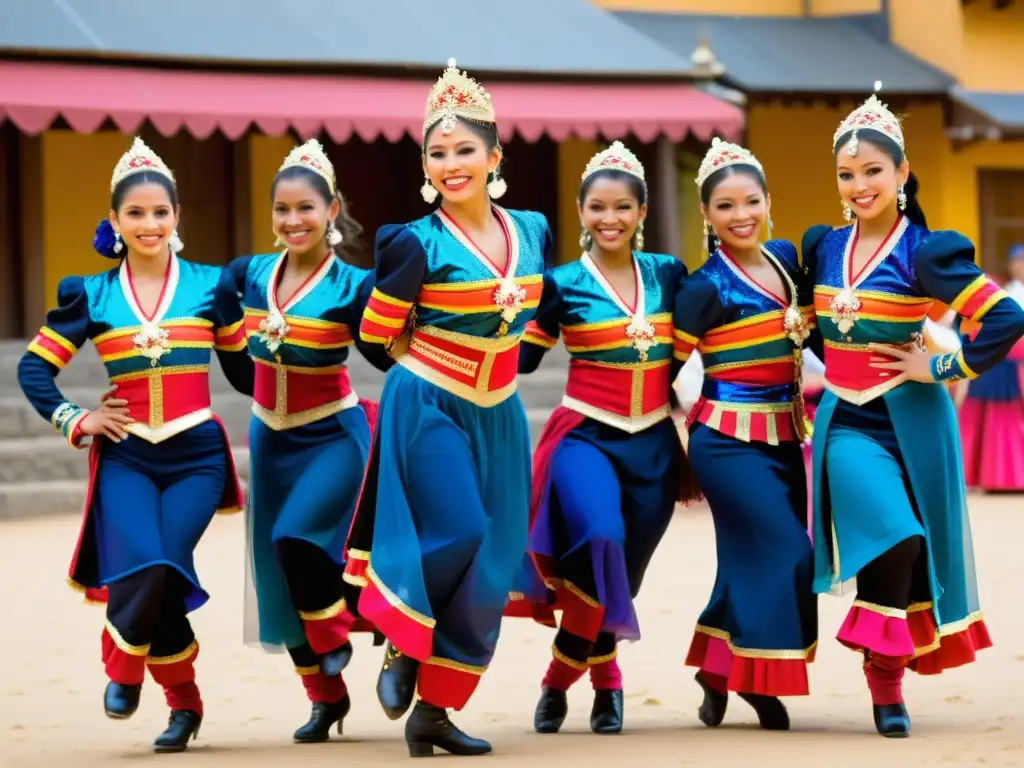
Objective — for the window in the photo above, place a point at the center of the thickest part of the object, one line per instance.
(1002, 217)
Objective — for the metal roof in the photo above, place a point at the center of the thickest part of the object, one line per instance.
(569, 37)
(1005, 110)
(842, 55)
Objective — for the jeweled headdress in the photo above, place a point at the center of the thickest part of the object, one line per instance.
(615, 158)
(871, 114)
(721, 155)
(137, 159)
(311, 155)
(455, 95)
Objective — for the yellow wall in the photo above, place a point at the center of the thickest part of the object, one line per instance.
(803, 184)
(714, 7)
(993, 48)
(844, 7)
(266, 153)
(932, 30)
(573, 156)
(76, 172)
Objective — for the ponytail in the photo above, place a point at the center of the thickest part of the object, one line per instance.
(913, 210)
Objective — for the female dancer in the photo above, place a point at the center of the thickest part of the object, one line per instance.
(308, 438)
(991, 420)
(889, 500)
(154, 320)
(744, 311)
(607, 469)
(441, 524)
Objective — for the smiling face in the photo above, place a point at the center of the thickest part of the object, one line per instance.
(301, 215)
(146, 218)
(737, 209)
(869, 181)
(458, 164)
(611, 212)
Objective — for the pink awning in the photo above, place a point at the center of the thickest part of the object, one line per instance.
(34, 94)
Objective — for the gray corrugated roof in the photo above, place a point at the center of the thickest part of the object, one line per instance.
(525, 36)
(1004, 109)
(810, 55)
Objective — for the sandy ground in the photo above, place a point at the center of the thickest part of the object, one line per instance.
(52, 681)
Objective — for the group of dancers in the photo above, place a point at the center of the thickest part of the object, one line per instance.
(425, 518)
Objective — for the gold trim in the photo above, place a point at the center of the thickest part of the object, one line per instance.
(164, 370)
(627, 424)
(860, 397)
(324, 613)
(395, 602)
(168, 429)
(279, 421)
(580, 666)
(595, 660)
(458, 666)
(306, 671)
(482, 399)
(155, 661)
(479, 343)
(881, 610)
(120, 642)
(757, 653)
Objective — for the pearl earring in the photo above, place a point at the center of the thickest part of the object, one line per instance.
(428, 191)
(334, 237)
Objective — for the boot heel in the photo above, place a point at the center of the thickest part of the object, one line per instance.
(420, 749)
(340, 726)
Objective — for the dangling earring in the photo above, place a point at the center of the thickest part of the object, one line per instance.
(585, 240)
(771, 226)
(639, 236)
(496, 187)
(847, 212)
(428, 191)
(118, 243)
(334, 237)
(901, 198)
(174, 242)
(277, 241)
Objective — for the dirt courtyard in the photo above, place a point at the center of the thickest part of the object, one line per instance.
(52, 683)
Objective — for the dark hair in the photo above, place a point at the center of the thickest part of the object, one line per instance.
(128, 183)
(349, 228)
(886, 145)
(105, 238)
(486, 132)
(716, 178)
(636, 186)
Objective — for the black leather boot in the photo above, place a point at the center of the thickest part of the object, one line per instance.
(771, 712)
(121, 701)
(712, 709)
(892, 720)
(182, 726)
(428, 727)
(552, 707)
(321, 719)
(606, 714)
(333, 663)
(396, 683)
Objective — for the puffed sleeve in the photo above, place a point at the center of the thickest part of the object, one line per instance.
(946, 268)
(696, 310)
(356, 311)
(65, 331)
(401, 265)
(541, 333)
(809, 245)
(230, 342)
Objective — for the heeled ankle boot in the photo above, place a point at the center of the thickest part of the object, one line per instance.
(771, 712)
(884, 676)
(606, 714)
(552, 708)
(396, 683)
(322, 717)
(182, 726)
(712, 709)
(429, 727)
(120, 701)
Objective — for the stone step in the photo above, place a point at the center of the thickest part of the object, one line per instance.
(48, 458)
